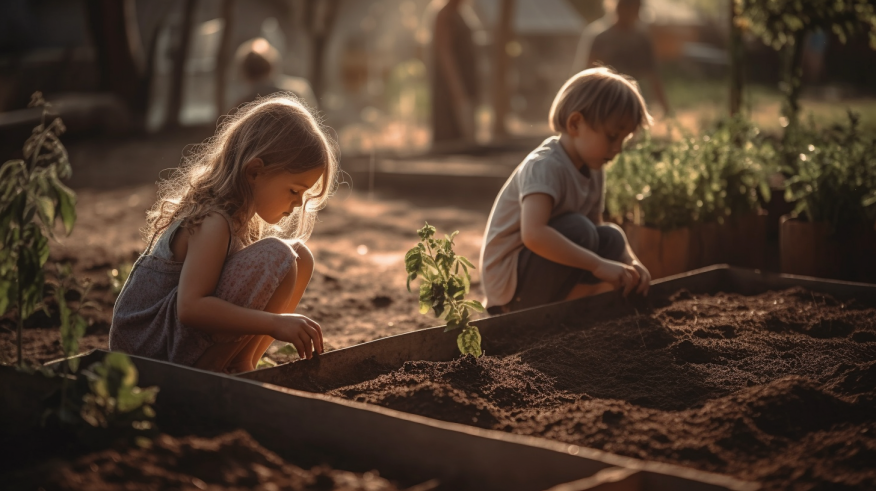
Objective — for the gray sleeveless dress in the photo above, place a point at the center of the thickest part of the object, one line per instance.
(145, 320)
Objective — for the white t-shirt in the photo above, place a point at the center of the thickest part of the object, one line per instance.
(548, 170)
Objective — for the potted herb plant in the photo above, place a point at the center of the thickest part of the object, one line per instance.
(696, 200)
(832, 184)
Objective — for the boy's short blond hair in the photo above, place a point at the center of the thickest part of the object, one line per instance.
(602, 96)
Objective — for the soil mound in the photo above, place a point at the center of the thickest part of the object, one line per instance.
(778, 387)
(229, 461)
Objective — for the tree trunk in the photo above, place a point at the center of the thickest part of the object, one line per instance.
(178, 75)
(737, 54)
(504, 33)
(120, 59)
(792, 82)
(223, 55)
(321, 14)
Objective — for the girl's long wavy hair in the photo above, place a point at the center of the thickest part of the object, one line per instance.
(278, 129)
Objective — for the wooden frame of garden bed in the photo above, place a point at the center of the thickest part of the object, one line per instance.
(402, 446)
(433, 344)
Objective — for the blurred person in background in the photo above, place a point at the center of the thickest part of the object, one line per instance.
(454, 77)
(619, 40)
(257, 61)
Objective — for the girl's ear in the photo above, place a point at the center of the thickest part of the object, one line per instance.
(253, 168)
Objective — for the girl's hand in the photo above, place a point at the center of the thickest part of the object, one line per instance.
(644, 278)
(304, 333)
(619, 275)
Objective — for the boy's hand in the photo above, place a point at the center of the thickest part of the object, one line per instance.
(644, 278)
(304, 333)
(619, 275)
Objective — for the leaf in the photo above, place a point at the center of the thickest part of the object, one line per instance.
(474, 305)
(469, 342)
(66, 205)
(7, 295)
(426, 232)
(288, 350)
(411, 277)
(465, 261)
(414, 260)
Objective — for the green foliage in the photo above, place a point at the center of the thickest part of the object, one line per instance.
(781, 22)
(445, 282)
(73, 324)
(668, 185)
(114, 400)
(32, 198)
(833, 178)
(784, 24)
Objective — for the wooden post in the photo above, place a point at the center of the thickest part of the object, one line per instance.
(175, 98)
(737, 53)
(503, 34)
(223, 55)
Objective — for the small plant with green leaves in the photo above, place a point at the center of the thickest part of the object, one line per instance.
(834, 177)
(32, 198)
(445, 283)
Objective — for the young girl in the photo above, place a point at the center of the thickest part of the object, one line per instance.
(229, 265)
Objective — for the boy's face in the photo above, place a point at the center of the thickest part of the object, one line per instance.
(597, 147)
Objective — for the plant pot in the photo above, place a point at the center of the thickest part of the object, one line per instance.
(663, 253)
(815, 249)
(739, 241)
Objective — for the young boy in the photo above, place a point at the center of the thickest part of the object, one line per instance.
(545, 239)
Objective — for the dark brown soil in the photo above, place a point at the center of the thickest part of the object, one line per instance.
(778, 388)
(229, 461)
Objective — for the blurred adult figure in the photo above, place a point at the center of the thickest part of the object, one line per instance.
(454, 78)
(621, 41)
(257, 62)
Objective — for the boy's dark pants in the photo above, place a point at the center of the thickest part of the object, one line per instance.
(540, 281)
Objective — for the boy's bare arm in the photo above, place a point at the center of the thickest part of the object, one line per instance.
(547, 242)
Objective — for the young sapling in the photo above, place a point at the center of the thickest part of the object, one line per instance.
(445, 283)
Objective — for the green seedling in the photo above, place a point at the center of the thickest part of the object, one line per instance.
(113, 399)
(32, 198)
(445, 282)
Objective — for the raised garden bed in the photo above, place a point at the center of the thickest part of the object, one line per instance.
(224, 432)
(766, 378)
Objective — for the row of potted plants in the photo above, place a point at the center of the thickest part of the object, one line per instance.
(699, 200)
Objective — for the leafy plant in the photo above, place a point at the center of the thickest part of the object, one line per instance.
(784, 24)
(834, 177)
(445, 282)
(114, 400)
(32, 198)
(668, 185)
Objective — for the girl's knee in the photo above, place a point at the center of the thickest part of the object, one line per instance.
(305, 262)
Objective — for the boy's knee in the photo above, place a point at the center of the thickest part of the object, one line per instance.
(577, 228)
(612, 240)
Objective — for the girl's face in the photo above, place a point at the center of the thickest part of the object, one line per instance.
(277, 194)
(594, 148)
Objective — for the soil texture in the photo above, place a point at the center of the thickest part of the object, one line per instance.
(228, 461)
(778, 388)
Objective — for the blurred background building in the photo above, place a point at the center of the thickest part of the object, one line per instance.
(146, 65)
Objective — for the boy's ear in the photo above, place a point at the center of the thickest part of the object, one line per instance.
(573, 123)
(253, 168)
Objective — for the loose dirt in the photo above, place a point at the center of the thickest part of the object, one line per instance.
(228, 461)
(778, 388)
